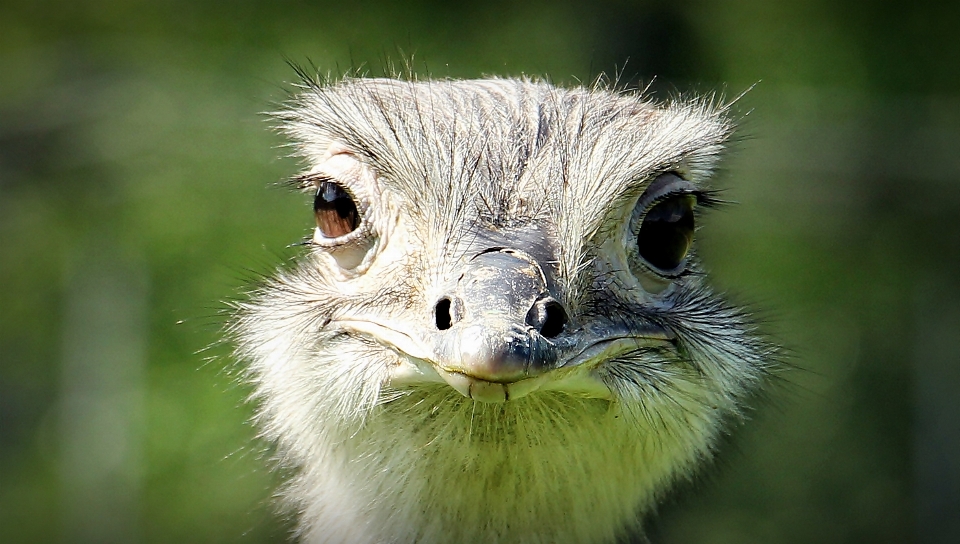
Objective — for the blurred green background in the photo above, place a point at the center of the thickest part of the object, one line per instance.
(136, 194)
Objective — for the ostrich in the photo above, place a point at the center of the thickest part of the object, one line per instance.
(499, 331)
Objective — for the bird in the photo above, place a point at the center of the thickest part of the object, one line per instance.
(498, 329)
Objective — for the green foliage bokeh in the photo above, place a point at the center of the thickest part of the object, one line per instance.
(132, 137)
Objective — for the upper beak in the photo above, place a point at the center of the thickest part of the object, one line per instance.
(497, 327)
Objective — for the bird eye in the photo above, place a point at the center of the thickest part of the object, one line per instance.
(666, 233)
(335, 210)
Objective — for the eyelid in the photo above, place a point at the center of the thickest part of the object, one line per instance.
(666, 185)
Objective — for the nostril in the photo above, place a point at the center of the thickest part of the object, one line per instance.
(548, 317)
(443, 317)
(554, 319)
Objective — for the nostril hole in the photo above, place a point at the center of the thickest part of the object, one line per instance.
(554, 319)
(444, 319)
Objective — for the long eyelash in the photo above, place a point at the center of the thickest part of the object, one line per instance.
(691, 272)
(710, 199)
(307, 182)
(305, 242)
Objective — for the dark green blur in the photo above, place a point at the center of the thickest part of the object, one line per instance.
(137, 195)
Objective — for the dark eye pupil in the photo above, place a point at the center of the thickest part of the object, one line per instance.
(335, 210)
(667, 232)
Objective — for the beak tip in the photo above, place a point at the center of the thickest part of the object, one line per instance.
(487, 391)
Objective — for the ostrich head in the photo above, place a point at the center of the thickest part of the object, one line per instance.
(499, 331)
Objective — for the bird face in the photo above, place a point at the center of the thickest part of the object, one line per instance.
(501, 269)
(498, 329)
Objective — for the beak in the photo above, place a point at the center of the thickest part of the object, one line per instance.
(498, 327)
